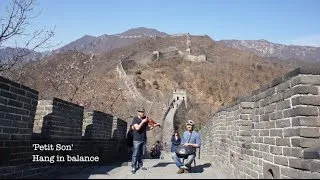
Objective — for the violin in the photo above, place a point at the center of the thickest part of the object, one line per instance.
(151, 122)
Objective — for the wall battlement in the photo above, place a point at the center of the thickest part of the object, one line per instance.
(273, 133)
(25, 120)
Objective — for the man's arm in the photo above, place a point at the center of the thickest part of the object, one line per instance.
(138, 126)
(197, 144)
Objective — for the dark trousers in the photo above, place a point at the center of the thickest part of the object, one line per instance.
(137, 154)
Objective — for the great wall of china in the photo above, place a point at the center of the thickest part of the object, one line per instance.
(272, 133)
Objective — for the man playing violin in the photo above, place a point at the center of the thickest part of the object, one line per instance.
(140, 125)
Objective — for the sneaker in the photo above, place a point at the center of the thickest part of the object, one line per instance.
(133, 170)
(143, 168)
(181, 170)
(186, 171)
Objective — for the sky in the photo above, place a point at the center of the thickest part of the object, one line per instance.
(287, 22)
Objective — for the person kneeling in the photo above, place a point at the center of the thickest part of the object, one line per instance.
(190, 138)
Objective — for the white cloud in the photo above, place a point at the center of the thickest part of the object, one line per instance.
(313, 40)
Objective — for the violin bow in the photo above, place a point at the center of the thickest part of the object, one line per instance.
(150, 107)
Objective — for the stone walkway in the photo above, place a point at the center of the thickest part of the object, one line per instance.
(157, 169)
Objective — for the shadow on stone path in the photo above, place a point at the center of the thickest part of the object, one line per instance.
(157, 169)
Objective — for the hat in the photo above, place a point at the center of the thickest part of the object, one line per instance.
(190, 122)
(141, 109)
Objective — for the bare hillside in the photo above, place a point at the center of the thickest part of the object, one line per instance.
(93, 82)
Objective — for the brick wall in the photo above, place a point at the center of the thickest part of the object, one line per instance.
(99, 124)
(25, 121)
(64, 121)
(17, 110)
(274, 132)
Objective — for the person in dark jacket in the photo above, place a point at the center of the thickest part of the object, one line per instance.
(153, 152)
(129, 140)
(175, 142)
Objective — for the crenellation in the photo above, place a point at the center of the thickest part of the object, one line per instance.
(24, 117)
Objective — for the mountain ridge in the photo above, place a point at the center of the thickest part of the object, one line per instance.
(268, 49)
(103, 43)
(100, 44)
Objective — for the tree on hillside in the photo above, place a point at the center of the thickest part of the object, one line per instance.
(68, 79)
(15, 20)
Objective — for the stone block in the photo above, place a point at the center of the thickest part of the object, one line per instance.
(259, 125)
(264, 102)
(267, 157)
(15, 103)
(306, 100)
(8, 95)
(279, 115)
(255, 119)
(282, 123)
(305, 89)
(292, 151)
(258, 139)
(276, 150)
(299, 163)
(296, 142)
(246, 111)
(288, 93)
(259, 111)
(306, 79)
(281, 160)
(270, 108)
(301, 111)
(309, 132)
(306, 121)
(290, 132)
(257, 154)
(245, 117)
(17, 91)
(269, 140)
(283, 86)
(264, 148)
(276, 132)
(283, 141)
(272, 116)
(309, 142)
(260, 96)
(269, 124)
(247, 105)
(270, 91)
(264, 117)
(276, 98)
(244, 133)
(315, 165)
(264, 132)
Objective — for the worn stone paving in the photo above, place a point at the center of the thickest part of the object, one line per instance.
(157, 169)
